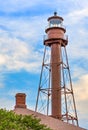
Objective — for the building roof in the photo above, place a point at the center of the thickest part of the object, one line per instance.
(51, 122)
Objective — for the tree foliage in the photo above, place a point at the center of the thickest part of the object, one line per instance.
(11, 121)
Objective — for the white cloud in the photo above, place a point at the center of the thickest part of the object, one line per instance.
(81, 87)
(28, 28)
(77, 71)
(81, 96)
(18, 44)
(78, 15)
(76, 22)
(13, 6)
(16, 55)
(1, 84)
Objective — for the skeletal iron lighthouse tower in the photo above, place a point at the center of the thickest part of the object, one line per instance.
(55, 94)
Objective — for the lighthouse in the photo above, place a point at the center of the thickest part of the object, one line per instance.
(55, 92)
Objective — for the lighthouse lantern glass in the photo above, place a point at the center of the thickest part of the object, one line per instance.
(55, 22)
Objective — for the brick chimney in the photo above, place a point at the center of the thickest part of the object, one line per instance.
(20, 100)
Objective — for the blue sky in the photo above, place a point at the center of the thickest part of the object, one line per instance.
(22, 25)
